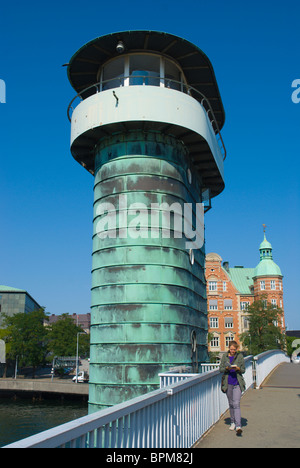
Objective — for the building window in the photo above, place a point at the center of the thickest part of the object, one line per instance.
(280, 285)
(262, 285)
(212, 286)
(224, 286)
(273, 302)
(215, 342)
(228, 304)
(213, 304)
(228, 322)
(244, 305)
(273, 285)
(246, 323)
(214, 322)
(228, 339)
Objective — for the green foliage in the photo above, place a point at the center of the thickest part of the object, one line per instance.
(26, 336)
(62, 338)
(264, 333)
(32, 341)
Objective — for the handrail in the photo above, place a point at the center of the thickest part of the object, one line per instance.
(265, 362)
(175, 416)
(189, 89)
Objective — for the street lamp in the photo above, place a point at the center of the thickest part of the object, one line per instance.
(79, 333)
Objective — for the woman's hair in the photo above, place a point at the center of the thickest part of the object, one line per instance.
(233, 343)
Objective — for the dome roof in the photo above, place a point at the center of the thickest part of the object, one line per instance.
(266, 266)
(265, 244)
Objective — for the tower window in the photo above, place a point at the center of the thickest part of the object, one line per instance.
(144, 70)
(141, 69)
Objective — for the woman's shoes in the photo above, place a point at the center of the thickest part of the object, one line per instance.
(238, 429)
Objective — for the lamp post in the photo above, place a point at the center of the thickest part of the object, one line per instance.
(79, 333)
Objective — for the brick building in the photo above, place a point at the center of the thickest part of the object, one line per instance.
(81, 320)
(231, 290)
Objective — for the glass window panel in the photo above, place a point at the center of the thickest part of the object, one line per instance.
(113, 74)
(172, 75)
(144, 70)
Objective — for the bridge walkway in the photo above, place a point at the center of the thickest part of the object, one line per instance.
(270, 416)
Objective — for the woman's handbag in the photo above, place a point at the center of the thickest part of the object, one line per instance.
(224, 384)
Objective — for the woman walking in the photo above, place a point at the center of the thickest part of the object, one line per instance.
(233, 384)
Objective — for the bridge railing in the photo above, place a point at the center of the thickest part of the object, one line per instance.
(265, 362)
(175, 416)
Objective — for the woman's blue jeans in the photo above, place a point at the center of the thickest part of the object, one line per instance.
(234, 398)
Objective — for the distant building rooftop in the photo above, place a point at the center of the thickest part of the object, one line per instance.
(82, 320)
(242, 278)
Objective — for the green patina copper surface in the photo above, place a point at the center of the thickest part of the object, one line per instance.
(266, 266)
(147, 296)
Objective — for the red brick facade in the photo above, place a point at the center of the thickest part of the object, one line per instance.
(229, 290)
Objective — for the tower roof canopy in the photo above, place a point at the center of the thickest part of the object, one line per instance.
(265, 245)
(197, 68)
(266, 266)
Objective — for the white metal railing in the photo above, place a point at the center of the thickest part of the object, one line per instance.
(175, 416)
(265, 362)
(208, 366)
(172, 417)
(177, 374)
(169, 377)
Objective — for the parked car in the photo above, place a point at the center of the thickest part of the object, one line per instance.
(61, 371)
(82, 377)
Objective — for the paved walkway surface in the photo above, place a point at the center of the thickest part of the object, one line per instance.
(270, 416)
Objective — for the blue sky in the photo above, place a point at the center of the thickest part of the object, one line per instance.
(46, 197)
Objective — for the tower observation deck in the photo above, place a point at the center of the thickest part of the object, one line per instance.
(146, 123)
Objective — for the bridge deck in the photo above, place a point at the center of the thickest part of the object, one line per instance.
(63, 387)
(270, 416)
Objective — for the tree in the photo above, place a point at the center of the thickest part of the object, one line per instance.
(26, 337)
(62, 337)
(264, 333)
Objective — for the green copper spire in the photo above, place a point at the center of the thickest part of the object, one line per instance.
(266, 266)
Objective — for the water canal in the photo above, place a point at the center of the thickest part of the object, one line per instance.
(23, 417)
